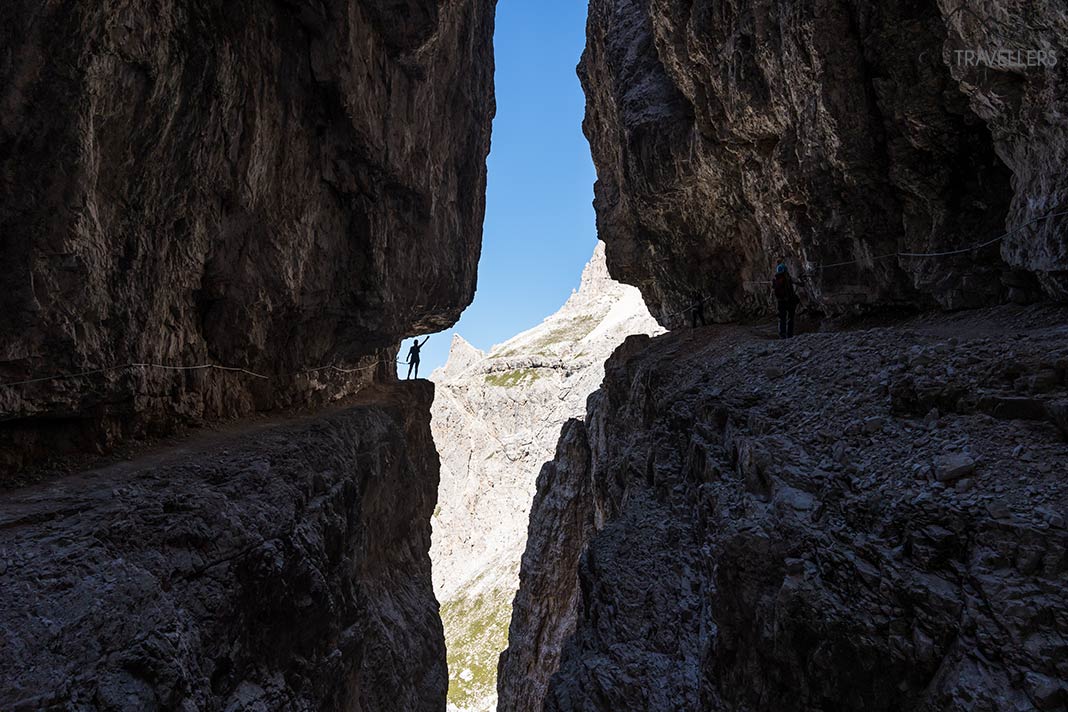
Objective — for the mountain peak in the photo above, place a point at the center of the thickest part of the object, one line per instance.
(595, 274)
(462, 355)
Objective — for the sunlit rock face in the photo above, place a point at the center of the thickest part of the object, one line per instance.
(282, 569)
(728, 135)
(272, 186)
(495, 420)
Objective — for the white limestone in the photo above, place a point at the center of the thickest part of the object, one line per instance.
(496, 420)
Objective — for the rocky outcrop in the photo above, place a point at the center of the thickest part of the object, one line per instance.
(284, 568)
(866, 520)
(496, 421)
(560, 525)
(271, 186)
(842, 135)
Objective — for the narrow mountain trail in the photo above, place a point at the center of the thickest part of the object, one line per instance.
(186, 443)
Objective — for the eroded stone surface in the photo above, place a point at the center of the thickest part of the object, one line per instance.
(729, 134)
(784, 541)
(272, 186)
(284, 569)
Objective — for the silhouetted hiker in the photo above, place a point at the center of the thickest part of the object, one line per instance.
(783, 286)
(413, 357)
(697, 311)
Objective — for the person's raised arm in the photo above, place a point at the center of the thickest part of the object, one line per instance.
(425, 340)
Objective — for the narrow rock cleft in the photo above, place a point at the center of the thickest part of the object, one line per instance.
(496, 419)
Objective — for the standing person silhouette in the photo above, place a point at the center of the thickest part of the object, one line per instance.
(413, 357)
(697, 310)
(783, 286)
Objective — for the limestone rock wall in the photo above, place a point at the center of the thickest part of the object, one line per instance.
(273, 186)
(283, 568)
(727, 135)
(854, 521)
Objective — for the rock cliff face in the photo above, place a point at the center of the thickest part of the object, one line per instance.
(862, 520)
(271, 186)
(496, 420)
(285, 568)
(868, 520)
(729, 134)
(547, 603)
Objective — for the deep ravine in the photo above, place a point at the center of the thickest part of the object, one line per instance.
(495, 420)
(220, 218)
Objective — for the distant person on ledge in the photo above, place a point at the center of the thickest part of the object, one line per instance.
(697, 310)
(413, 357)
(783, 286)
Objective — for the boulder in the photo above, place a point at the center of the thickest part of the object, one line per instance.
(953, 467)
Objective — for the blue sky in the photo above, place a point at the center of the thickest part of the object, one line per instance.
(539, 229)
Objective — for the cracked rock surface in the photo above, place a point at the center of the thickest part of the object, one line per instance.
(729, 134)
(283, 569)
(273, 186)
(863, 520)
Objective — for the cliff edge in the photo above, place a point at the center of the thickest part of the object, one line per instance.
(867, 520)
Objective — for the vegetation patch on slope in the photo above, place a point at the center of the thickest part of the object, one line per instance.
(510, 379)
(573, 331)
(476, 631)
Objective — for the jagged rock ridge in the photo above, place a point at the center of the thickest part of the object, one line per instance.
(869, 520)
(272, 186)
(727, 135)
(282, 569)
(495, 420)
